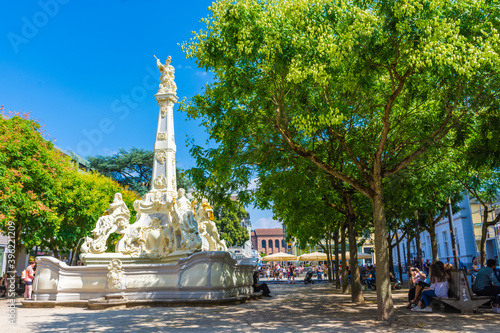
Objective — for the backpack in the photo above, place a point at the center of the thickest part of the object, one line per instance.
(23, 275)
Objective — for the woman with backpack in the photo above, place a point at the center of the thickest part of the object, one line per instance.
(28, 280)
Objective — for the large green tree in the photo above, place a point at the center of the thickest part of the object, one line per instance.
(384, 80)
(49, 203)
(82, 198)
(30, 169)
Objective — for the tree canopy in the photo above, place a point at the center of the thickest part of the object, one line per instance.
(381, 80)
(30, 169)
(50, 202)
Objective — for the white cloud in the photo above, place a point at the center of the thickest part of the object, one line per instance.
(266, 223)
(253, 184)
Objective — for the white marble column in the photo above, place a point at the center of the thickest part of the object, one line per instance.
(164, 178)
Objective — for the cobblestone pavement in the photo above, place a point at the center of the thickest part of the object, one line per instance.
(294, 308)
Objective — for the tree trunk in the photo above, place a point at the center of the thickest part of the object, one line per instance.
(408, 259)
(329, 260)
(418, 243)
(345, 283)
(434, 243)
(484, 231)
(399, 257)
(74, 254)
(385, 304)
(391, 264)
(336, 258)
(18, 246)
(56, 253)
(356, 288)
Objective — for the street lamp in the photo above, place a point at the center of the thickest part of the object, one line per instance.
(419, 247)
(452, 235)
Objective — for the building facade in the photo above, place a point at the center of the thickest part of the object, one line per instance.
(467, 223)
(269, 241)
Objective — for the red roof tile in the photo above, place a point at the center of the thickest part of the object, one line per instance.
(269, 232)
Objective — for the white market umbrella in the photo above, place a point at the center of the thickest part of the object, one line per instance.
(280, 256)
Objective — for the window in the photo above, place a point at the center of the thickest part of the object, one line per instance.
(404, 251)
(457, 243)
(270, 244)
(445, 243)
(277, 244)
(263, 244)
(283, 244)
(429, 247)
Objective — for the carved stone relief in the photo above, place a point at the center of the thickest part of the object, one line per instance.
(161, 181)
(163, 109)
(116, 217)
(161, 156)
(115, 274)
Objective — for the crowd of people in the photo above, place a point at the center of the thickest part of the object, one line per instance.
(290, 272)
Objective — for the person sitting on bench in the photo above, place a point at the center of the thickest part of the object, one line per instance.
(419, 282)
(486, 283)
(372, 276)
(260, 286)
(439, 288)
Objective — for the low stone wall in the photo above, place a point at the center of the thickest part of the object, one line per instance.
(203, 275)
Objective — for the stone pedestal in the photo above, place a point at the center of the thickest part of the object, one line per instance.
(91, 259)
(201, 276)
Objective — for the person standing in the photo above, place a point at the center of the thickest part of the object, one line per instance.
(427, 265)
(28, 280)
(320, 272)
(3, 285)
(291, 274)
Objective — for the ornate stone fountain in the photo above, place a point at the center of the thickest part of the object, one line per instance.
(172, 252)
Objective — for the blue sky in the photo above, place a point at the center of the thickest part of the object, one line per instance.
(86, 71)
